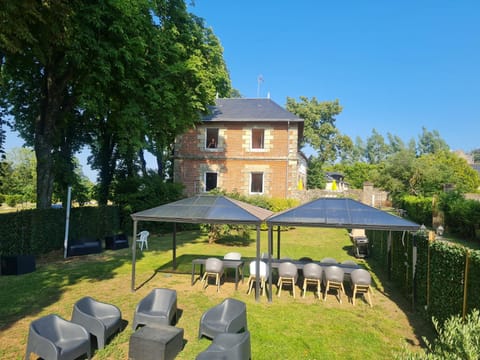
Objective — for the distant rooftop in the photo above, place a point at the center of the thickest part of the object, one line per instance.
(240, 109)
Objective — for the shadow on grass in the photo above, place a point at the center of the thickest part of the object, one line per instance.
(235, 240)
(28, 294)
(422, 327)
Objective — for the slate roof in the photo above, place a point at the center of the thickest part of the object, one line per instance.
(341, 213)
(205, 209)
(240, 109)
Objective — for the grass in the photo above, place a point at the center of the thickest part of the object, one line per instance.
(287, 328)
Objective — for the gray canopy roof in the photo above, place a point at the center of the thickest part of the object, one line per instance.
(208, 209)
(341, 213)
(201, 209)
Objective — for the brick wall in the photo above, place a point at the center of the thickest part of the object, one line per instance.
(234, 160)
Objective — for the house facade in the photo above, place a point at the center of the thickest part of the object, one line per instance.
(249, 146)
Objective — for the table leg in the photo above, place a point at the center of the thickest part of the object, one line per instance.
(193, 273)
(236, 277)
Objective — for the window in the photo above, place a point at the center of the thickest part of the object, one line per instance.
(210, 181)
(211, 138)
(256, 183)
(258, 137)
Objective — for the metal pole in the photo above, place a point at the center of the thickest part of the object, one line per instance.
(257, 267)
(174, 246)
(67, 222)
(278, 242)
(465, 286)
(134, 249)
(270, 241)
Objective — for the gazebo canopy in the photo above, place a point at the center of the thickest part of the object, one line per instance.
(335, 213)
(200, 209)
(341, 213)
(205, 209)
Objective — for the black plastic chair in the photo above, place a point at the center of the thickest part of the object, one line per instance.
(158, 307)
(100, 319)
(230, 316)
(361, 281)
(333, 280)
(52, 337)
(228, 346)
(287, 275)
(312, 274)
(213, 268)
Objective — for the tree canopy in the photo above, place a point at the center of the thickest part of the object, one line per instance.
(320, 131)
(121, 77)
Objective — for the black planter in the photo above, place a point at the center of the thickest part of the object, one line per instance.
(17, 264)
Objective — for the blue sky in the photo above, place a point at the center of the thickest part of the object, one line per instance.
(395, 66)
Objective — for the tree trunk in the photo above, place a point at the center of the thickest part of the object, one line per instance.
(43, 152)
(50, 113)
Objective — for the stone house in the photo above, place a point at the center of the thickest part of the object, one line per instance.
(249, 146)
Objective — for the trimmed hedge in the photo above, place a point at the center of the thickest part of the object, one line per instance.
(438, 287)
(38, 232)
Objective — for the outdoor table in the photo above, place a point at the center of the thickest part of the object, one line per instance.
(230, 264)
(347, 269)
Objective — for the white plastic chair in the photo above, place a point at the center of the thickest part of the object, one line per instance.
(263, 275)
(233, 256)
(143, 239)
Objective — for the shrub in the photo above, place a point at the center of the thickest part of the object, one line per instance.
(419, 208)
(457, 339)
(461, 216)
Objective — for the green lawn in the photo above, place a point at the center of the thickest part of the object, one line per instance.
(287, 328)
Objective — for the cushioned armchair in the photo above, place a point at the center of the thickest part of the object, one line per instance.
(228, 346)
(100, 319)
(52, 337)
(230, 316)
(158, 307)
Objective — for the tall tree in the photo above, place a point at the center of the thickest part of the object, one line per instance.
(320, 130)
(476, 156)
(189, 72)
(103, 73)
(430, 142)
(41, 68)
(376, 150)
(20, 174)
